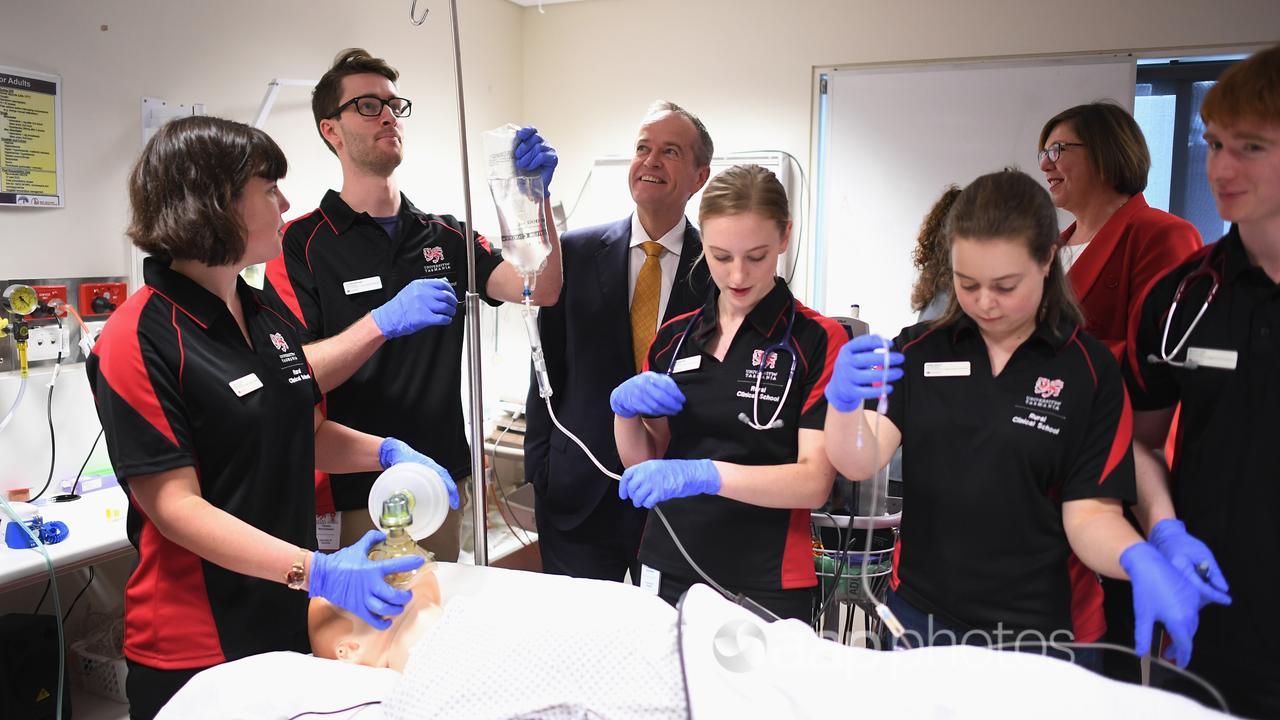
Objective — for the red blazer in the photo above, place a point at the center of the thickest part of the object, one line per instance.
(1136, 246)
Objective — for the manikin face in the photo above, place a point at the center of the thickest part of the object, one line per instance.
(374, 145)
(1244, 171)
(742, 254)
(998, 284)
(261, 206)
(338, 635)
(664, 173)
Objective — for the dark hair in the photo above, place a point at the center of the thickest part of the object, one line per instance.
(706, 149)
(184, 187)
(930, 256)
(328, 93)
(1010, 204)
(743, 189)
(1248, 90)
(1112, 140)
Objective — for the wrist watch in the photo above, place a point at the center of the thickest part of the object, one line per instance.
(296, 578)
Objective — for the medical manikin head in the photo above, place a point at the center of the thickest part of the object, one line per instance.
(338, 635)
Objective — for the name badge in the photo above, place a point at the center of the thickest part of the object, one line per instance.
(328, 530)
(650, 579)
(959, 368)
(1211, 358)
(245, 385)
(692, 362)
(351, 287)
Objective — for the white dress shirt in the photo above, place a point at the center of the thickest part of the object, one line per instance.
(673, 241)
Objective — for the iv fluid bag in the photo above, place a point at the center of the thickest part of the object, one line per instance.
(518, 197)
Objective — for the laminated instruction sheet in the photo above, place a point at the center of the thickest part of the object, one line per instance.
(30, 138)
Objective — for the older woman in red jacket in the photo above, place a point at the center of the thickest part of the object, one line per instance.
(1095, 160)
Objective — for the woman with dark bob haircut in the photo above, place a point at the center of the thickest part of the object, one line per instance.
(209, 411)
(1096, 161)
(1016, 446)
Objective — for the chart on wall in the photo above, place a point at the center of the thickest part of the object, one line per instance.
(30, 139)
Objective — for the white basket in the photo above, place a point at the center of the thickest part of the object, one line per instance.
(103, 676)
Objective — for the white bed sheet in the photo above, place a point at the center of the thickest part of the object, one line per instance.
(789, 672)
(277, 686)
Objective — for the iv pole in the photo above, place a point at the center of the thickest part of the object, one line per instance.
(479, 510)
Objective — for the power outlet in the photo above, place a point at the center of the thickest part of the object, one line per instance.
(89, 335)
(46, 341)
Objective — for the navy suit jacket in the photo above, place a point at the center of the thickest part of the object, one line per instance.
(586, 337)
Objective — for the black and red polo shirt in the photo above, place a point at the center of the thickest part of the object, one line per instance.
(176, 385)
(337, 266)
(742, 546)
(1225, 476)
(987, 463)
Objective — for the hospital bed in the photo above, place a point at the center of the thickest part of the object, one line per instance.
(731, 663)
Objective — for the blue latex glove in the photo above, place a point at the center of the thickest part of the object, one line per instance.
(353, 582)
(423, 302)
(532, 153)
(394, 451)
(858, 373)
(1161, 594)
(654, 481)
(649, 393)
(1192, 558)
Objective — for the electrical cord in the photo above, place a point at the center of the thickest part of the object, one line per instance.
(83, 465)
(43, 595)
(502, 491)
(1213, 692)
(335, 712)
(75, 600)
(53, 440)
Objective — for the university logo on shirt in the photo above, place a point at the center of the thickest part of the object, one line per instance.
(278, 340)
(1047, 388)
(758, 355)
(433, 255)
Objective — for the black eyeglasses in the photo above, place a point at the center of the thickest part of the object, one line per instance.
(371, 106)
(1054, 151)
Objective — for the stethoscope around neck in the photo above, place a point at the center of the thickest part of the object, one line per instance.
(1204, 270)
(782, 345)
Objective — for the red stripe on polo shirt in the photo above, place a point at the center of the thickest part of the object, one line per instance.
(894, 582)
(167, 590)
(1075, 338)
(927, 333)
(836, 337)
(278, 274)
(670, 342)
(797, 554)
(1088, 622)
(182, 351)
(121, 364)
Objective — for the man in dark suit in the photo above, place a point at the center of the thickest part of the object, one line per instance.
(622, 280)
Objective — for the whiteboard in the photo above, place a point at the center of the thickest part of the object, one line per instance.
(891, 138)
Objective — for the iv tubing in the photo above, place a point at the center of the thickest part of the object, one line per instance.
(13, 409)
(880, 489)
(535, 341)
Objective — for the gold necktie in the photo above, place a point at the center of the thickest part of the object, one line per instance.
(644, 304)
